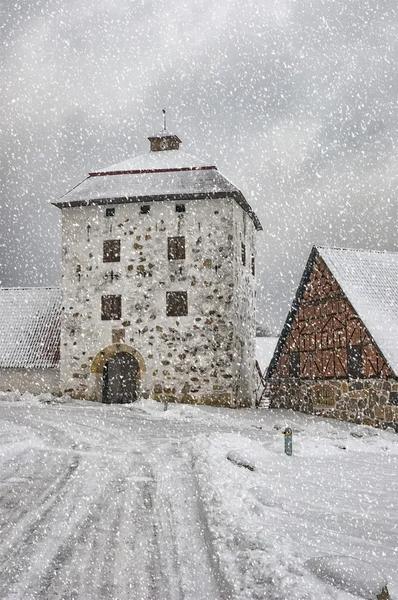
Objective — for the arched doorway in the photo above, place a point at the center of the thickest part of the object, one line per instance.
(120, 379)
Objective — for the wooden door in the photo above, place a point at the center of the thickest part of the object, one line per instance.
(120, 379)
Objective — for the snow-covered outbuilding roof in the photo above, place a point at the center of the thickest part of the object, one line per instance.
(164, 174)
(265, 348)
(369, 280)
(29, 327)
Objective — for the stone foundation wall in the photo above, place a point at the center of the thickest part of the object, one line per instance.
(367, 401)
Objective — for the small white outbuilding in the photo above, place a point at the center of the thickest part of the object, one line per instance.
(29, 339)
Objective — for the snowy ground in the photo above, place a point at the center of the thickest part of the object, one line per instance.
(116, 502)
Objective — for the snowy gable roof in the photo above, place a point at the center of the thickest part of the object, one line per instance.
(165, 175)
(29, 327)
(369, 279)
(168, 183)
(150, 161)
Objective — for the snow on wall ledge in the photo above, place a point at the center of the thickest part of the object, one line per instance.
(35, 381)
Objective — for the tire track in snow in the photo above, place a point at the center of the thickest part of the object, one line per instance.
(121, 521)
(226, 593)
(179, 516)
(116, 552)
(109, 538)
(17, 547)
(46, 543)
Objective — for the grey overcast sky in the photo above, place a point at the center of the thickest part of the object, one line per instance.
(294, 100)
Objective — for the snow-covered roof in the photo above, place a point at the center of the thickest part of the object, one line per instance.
(160, 175)
(149, 161)
(29, 327)
(369, 279)
(145, 185)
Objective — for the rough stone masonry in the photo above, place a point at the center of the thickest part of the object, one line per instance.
(206, 353)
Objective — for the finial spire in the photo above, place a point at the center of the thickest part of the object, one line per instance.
(164, 140)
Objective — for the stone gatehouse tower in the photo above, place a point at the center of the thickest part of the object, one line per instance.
(158, 282)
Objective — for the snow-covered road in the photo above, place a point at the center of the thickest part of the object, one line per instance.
(99, 502)
(130, 502)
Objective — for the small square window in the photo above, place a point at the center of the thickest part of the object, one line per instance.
(294, 367)
(394, 398)
(176, 248)
(145, 209)
(354, 362)
(118, 336)
(111, 308)
(180, 208)
(243, 254)
(176, 304)
(111, 251)
(109, 212)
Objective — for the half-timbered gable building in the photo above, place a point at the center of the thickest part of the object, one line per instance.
(338, 351)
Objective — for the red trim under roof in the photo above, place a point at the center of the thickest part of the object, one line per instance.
(142, 171)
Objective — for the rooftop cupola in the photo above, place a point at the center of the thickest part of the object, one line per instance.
(164, 140)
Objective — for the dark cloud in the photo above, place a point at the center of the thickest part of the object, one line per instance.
(296, 101)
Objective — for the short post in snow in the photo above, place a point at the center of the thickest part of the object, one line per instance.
(165, 403)
(288, 441)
